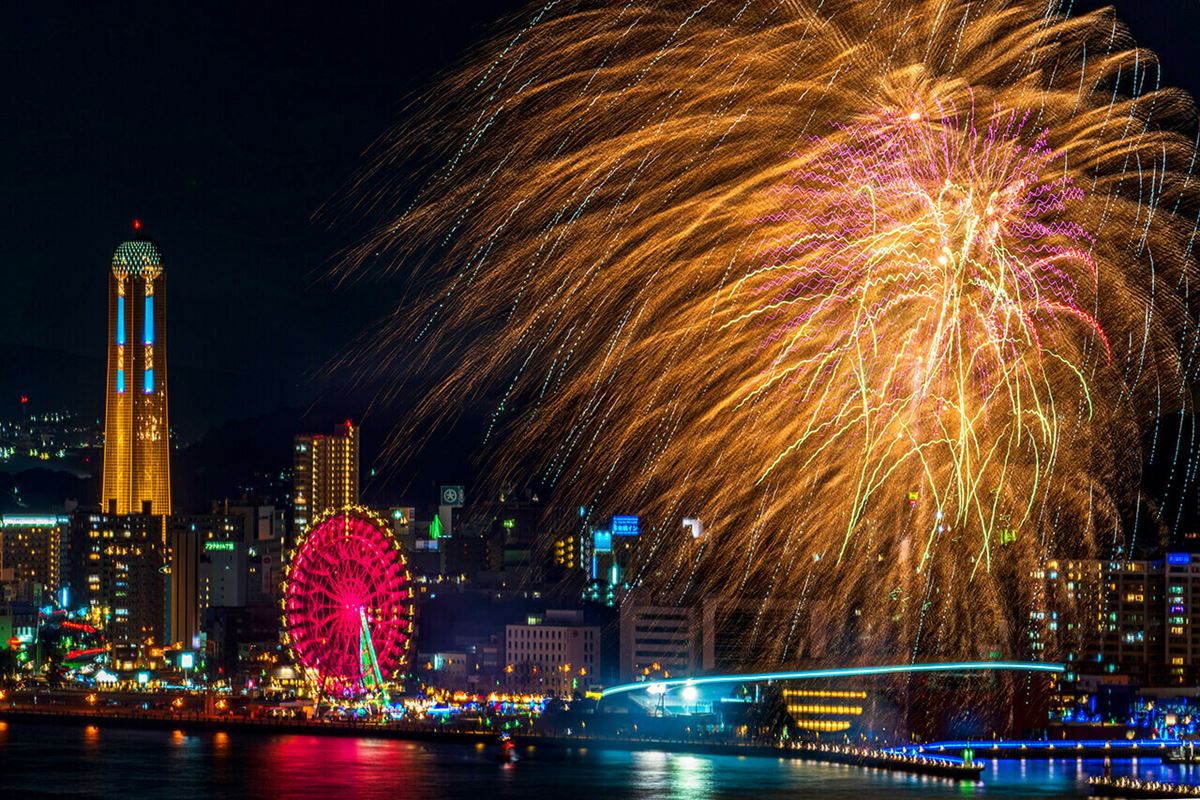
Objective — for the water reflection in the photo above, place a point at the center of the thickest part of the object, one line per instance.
(691, 777)
(122, 762)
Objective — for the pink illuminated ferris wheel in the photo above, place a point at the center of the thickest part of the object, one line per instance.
(348, 605)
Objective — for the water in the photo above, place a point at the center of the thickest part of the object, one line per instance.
(38, 760)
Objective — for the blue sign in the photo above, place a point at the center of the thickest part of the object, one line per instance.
(625, 526)
(602, 541)
(1179, 558)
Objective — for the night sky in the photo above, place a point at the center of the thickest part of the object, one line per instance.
(224, 130)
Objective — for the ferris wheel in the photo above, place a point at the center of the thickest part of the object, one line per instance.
(348, 605)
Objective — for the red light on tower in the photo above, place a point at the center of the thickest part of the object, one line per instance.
(137, 224)
(24, 399)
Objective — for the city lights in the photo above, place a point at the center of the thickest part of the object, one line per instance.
(685, 399)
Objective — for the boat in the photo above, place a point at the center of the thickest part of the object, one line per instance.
(508, 750)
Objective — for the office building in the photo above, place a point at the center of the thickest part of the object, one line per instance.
(224, 574)
(659, 641)
(555, 652)
(194, 542)
(123, 580)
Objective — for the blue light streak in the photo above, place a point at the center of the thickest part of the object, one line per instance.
(841, 672)
(1057, 744)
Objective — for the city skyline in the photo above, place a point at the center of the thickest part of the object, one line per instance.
(681, 398)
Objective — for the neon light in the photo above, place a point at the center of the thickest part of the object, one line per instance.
(210, 546)
(843, 672)
(120, 319)
(625, 525)
(30, 520)
(372, 676)
(1179, 558)
(120, 381)
(79, 655)
(150, 319)
(1038, 744)
(148, 381)
(345, 562)
(602, 541)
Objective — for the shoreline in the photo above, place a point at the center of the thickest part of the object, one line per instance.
(923, 765)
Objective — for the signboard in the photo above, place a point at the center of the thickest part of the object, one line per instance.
(453, 496)
(601, 541)
(624, 526)
(1179, 558)
(211, 546)
(187, 660)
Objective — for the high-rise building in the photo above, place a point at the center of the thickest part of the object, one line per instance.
(183, 612)
(123, 580)
(1137, 620)
(29, 553)
(325, 473)
(137, 473)
(194, 540)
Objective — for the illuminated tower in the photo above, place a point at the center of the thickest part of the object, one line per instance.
(137, 469)
(325, 473)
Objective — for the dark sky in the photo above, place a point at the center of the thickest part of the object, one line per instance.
(224, 129)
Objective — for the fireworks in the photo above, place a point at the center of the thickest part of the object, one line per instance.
(887, 293)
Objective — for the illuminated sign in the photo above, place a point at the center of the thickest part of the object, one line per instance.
(1179, 558)
(210, 546)
(452, 495)
(624, 526)
(30, 521)
(602, 541)
(187, 660)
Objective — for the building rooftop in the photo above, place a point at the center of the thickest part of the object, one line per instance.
(137, 257)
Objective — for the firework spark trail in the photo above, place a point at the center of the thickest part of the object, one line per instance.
(888, 293)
